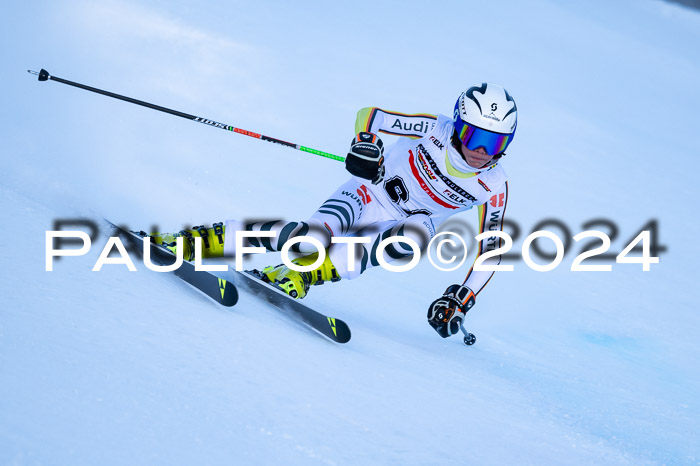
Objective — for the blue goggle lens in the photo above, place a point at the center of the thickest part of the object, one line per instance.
(473, 138)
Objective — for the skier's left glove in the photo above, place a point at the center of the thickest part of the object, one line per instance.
(447, 313)
(366, 157)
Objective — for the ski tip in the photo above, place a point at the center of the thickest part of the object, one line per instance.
(341, 331)
(229, 293)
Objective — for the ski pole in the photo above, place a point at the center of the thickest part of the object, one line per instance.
(45, 76)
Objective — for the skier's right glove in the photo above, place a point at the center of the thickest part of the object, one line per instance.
(366, 157)
(447, 313)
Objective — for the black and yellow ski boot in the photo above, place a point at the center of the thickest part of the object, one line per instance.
(297, 284)
(212, 241)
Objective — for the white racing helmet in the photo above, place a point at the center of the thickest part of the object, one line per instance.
(486, 116)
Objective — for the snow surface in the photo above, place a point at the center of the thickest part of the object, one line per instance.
(115, 367)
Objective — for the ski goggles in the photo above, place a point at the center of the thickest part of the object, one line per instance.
(473, 138)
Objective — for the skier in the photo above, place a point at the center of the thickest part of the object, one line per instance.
(440, 166)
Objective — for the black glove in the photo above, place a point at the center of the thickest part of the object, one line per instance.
(447, 313)
(366, 157)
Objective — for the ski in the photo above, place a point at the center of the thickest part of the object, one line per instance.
(225, 292)
(222, 291)
(330, 327)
